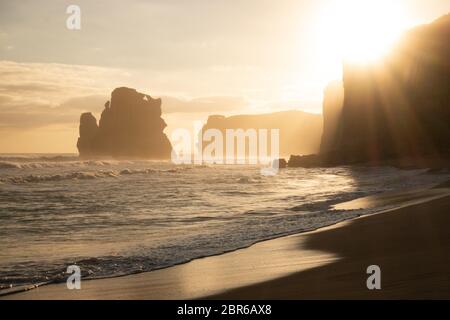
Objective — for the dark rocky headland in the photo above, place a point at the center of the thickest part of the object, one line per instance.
(395, 111)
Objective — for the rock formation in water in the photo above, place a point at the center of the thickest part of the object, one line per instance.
(130, 126)
(88, 134)
(397, 109)
(299, 132)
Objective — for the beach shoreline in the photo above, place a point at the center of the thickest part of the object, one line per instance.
(272, 268)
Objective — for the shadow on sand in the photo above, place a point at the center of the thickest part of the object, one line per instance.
(410, 245)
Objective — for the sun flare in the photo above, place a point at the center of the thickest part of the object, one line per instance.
(360, 31)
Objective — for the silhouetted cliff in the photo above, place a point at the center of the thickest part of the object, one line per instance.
(130, 126)
(397, 109)
(333, 100)
(401, 107)
(299, 131)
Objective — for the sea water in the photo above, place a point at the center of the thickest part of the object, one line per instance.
(114, 217)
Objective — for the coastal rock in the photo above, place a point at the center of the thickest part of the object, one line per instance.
(299, 132)
(400, 107)
(130, 126)
(88, 133)
(395, 111)
(333, 100)
(279, 163)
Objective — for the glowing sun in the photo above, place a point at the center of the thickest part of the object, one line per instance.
(360, 30)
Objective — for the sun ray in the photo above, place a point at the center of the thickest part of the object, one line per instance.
(358, 31)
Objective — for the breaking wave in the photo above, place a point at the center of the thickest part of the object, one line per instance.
(75, 176)
(115, 217)
(85, 175)
(55, 164)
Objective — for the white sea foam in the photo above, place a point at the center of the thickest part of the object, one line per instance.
(115, 217)
(79, 175)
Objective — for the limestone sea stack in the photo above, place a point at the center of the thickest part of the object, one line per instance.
(130, 127)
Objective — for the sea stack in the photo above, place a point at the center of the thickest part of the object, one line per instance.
(130, 127)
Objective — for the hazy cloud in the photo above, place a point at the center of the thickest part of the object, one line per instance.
(34, 95)
(203, 105)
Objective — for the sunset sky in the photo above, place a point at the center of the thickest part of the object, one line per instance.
(201, 56)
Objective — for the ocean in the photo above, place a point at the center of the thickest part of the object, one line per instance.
(118, 217)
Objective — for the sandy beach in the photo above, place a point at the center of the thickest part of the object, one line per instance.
(410, 244)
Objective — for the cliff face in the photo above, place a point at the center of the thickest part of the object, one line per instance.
(130, 126)
(299, 131)
(400, 107)
(333, 100)
(396, 111)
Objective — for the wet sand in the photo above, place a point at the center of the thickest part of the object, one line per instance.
(411, 245)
